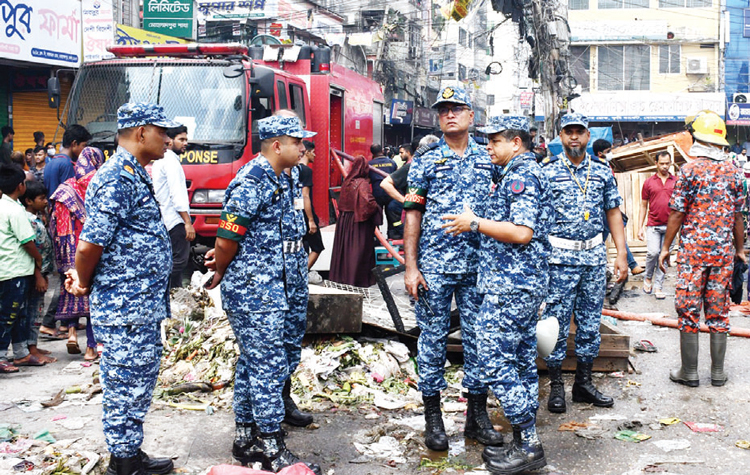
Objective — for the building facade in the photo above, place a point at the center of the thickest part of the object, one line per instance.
(644, 65)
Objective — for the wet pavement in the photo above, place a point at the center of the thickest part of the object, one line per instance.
(200, 440)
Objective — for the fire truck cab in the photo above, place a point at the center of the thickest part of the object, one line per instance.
(219, 92)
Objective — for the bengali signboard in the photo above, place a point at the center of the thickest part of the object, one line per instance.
(98, 29)
(41, 31)
(169, 17)
(643, 106)
(427, 118)
(738, 114)
(127, 36)
(401, 112)
(215, 11)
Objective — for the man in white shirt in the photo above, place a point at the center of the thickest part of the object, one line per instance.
(171, 193)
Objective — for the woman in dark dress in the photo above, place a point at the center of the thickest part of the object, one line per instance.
(353, 254)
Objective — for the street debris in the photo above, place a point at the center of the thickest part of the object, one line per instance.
(672, 445)
(703, 427)
(573, 426)
(631, 436)
(743, 444)
(669, 421)
(42, 455)
(645, 346)
(591, 432)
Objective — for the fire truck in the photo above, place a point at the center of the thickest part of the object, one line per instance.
(220, 91)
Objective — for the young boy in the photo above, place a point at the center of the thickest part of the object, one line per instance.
(35, 201)
(517, 217)
(19, 260)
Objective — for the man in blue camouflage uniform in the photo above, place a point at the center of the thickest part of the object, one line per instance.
(584, 194)
(124, 258)
(295, 271)
(454, 172)
(513, 224)
(250, 260)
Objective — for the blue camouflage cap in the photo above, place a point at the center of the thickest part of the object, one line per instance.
(276, 126)
(453, 95)
(136, 114)
(505, 122)
(574, 118)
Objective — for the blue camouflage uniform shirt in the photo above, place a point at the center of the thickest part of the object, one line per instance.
(252, 216)
(570, 206)
(521, 196)
(131, 281)
(294, 225)
(441, 182)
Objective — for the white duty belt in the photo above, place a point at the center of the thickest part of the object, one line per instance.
(576, 245)
(291, 247)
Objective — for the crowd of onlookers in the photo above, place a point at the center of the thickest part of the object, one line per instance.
(41, 216)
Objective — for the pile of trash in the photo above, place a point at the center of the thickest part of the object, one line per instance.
(41, 454)
(201, 352)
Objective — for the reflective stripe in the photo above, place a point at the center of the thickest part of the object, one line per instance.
(291, 247)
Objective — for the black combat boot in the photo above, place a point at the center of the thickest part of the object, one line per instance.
(246, 448)
(157, 466)
(585, 391)
(718, 351)
(275, 455)
(494, 452)
(126, 466)
(478, 425)
(523, 455)
(688, 372)
(556, 401)
(292, 415)
(434, 430)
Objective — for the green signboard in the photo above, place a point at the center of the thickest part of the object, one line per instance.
(169, 17)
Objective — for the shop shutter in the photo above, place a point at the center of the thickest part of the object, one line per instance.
(31, 112)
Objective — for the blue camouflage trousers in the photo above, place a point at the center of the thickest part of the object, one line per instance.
(506, 343)
(128, 370)
(261, 368)
(579, 291)
(433, 336)
(296, 318)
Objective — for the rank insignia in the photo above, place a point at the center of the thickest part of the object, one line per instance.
(448, 93)
(129, 169)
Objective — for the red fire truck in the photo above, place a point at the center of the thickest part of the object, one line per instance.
(219, 91)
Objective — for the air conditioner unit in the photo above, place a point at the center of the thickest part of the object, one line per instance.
(740, 97)
(696, 66)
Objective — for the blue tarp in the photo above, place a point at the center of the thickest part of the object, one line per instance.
(555, 147)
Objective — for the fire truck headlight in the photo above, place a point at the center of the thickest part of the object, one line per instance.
(208, 196)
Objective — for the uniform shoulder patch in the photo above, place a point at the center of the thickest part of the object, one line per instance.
(548, 160)
(256, 173)
(127, 171)
(517, 187)
(600, 160)
(425, 148)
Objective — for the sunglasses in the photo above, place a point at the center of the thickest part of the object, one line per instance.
(456, 110)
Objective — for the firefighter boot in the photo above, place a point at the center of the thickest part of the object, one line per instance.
(434, 430)
(478, 425)
(126, 466)
(275, 455)
(688, 372)
(523, 455)
(156, 466)
(246, 449)
(292, 415)
(556, 402)
(585, 391)
(718, 350)
(495, 452)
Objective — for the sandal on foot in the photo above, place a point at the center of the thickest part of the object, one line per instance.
(73, 348)
(647, 287)
(659, 294)
(32, 361)
(7, 367)
(55, 336)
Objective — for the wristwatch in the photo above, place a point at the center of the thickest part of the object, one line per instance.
(474, 226)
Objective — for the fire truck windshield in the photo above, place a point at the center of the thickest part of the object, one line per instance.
(195, 94)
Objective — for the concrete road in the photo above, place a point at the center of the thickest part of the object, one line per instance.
(200, 440)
